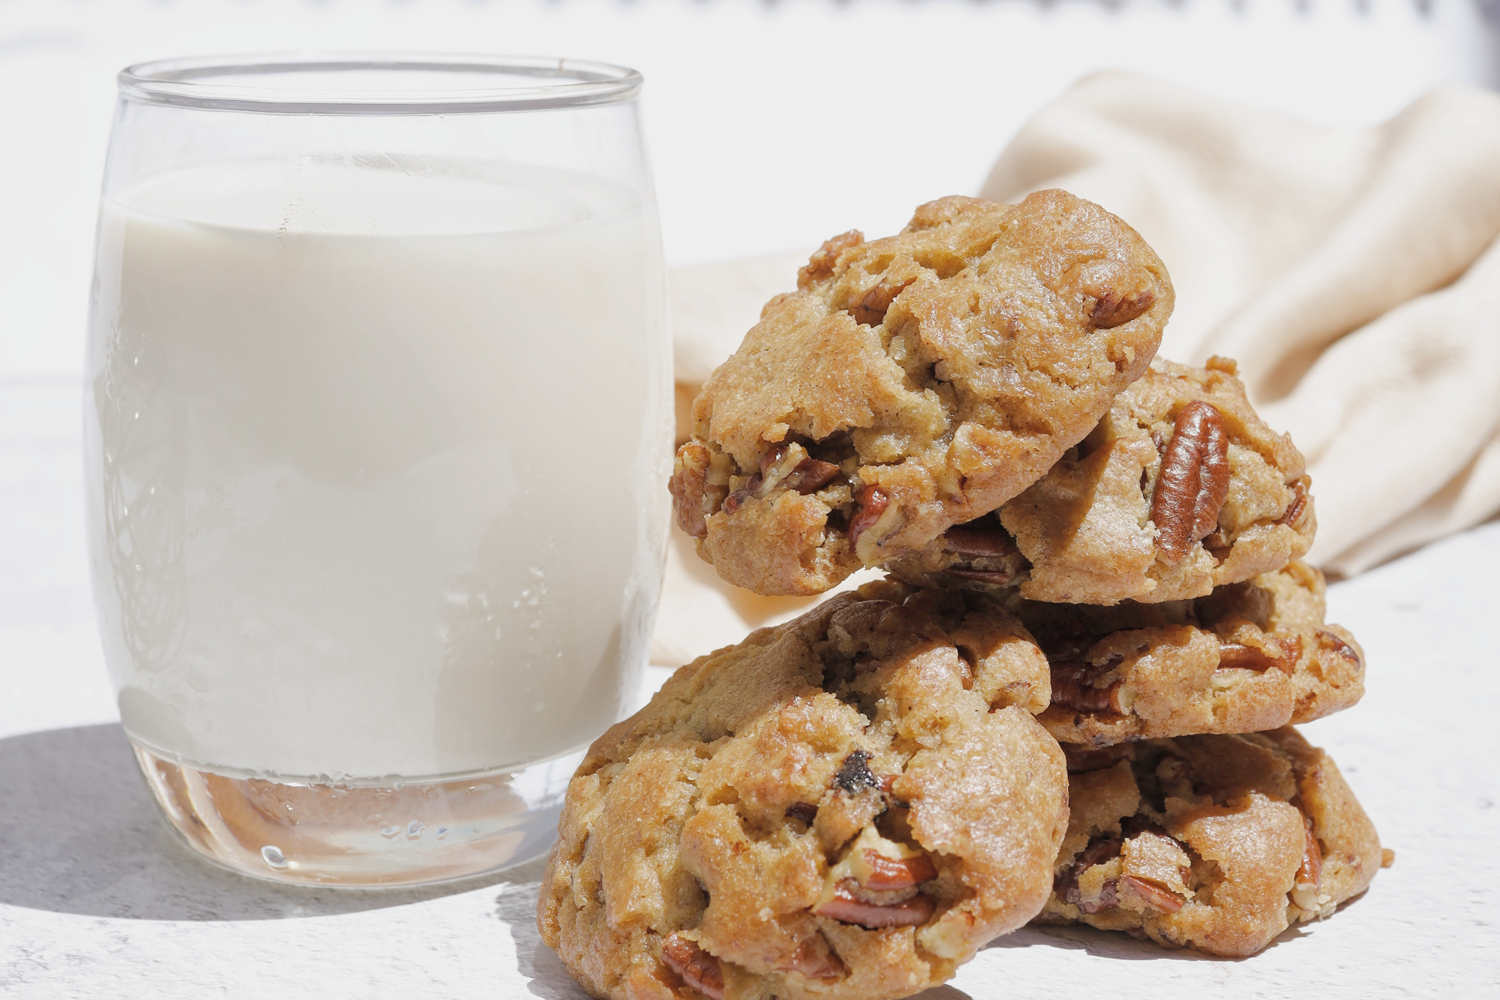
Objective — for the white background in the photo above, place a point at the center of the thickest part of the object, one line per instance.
(772, 125)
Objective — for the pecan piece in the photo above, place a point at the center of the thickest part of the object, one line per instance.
(871, 309)
(695, 967)
(770, 458)
(821, 263)
(777, 471)
(1154, 866)
(1310, 872)
(1113, 308)
(1297, 506)
(691, 498)
(1155, 896)
(1071, 689)
(1328, 640)
(1307, 886)
(816, 960)
(848, 908)
(811, 475)
(889, 874)
(1219, 543)
(982, 538)
(1237, 654)
(872, 503)
(1193, 482)
(734, 500)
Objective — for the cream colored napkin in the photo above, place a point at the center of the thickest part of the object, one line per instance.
(1353, 273)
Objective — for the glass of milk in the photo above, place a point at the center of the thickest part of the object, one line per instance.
(377, 429)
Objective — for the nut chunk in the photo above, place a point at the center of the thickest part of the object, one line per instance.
(1218, 843)
(698, 969)
(928, 377)
(847, 806)
(1193, 480)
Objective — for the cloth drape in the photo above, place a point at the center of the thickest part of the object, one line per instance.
(1354, 274)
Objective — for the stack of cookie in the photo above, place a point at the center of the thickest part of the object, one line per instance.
(1071, 697)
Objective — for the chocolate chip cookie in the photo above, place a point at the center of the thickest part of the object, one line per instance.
(845, 806)
(1179, 489)
(912, 383)
(1217, 843)
(1249, 657)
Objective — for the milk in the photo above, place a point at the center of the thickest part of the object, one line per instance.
(376, 464)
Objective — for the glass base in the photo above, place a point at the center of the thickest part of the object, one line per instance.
(363, 836)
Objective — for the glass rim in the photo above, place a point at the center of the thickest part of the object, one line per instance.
(205, 83)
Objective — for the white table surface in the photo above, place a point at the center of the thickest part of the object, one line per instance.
(98, 900)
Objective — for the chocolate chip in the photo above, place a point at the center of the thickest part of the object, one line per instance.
(805, 811)
(854, 774)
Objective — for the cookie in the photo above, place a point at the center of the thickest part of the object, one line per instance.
(1249, 657)
(912, 383)
(1217, 843)
(845, 806)
(1181, 488)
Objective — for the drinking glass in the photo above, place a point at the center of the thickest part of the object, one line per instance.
(377, 426)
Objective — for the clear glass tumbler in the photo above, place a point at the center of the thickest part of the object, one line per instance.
(377, 429)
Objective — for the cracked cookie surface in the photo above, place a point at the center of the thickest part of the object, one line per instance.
(1179, 489)
(912, 383)
(1249, 657)
(845, 806)
(1217, 843)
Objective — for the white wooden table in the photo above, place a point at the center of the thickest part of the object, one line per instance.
(98, 900)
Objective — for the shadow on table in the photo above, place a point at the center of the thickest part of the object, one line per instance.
(547, 979)
(1100, 944)
(1113, 944)
(516, 907)
(80, 833)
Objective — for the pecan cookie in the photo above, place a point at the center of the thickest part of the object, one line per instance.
(845, 806)
(1249, 657)
(912, 383)
(1179, 489)
(1217, 843)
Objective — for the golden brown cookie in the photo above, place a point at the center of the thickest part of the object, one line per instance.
(1217, 843)
(846, 806)
(1179, 489)
(912, 383)
(1249, 657)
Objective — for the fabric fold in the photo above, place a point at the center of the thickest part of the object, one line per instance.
(1350, 272)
